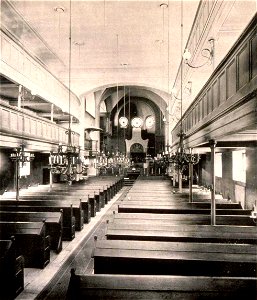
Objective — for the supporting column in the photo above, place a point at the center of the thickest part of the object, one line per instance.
(190, 166)
(174, 176)
(17, 180)
(180, 180)
(212, 144)
(51, 179)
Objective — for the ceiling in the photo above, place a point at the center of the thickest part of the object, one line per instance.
(136, 43)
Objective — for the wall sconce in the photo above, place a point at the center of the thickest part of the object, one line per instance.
(207, 53)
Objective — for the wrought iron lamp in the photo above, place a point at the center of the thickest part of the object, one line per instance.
(68, 160)
(207, 53)
(182, 157)
(20, 157)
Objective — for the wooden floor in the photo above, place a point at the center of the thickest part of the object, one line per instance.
(52, 282)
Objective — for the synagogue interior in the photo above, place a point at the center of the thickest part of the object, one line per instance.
(128, 149)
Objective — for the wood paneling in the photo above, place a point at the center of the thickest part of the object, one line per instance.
(243, 66)
(253, 56)
(15, 122)
(231, 82)
(231, 79)
(215, 94)
(209, 101)
(222, 87)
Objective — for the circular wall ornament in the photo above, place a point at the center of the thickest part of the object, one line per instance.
(136, 122)
(123, 122)
(149, 122)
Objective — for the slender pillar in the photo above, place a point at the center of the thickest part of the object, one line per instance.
(212, 144)
(174, 176)
(190, 166)
(17, 180)
(180, 180)
(51, 179)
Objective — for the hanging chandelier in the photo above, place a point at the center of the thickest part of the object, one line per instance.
(182, 157)
(113, 160)
(68, 160)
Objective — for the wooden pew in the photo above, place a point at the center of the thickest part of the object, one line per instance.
(61, 204)
(53, 223)
(171, 209)
(103, 189)
(93, 198)
(86, 197)
(89, 210)
(176, 219)
(183, 233)
(31, 241)
(173, 198)
(174, 258)
(11, 270)
(182, 204)
(68, 218)
(148, 287)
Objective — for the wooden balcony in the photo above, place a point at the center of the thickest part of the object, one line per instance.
(226, 107)
(17, 124)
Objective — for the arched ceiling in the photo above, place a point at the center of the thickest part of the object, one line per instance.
(109, 95)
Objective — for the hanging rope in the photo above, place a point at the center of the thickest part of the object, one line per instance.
(181, 70)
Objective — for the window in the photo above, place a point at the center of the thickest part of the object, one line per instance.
(239, 165)
(218, 164)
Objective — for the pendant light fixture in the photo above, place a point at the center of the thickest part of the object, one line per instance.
(182, 157)
(68, 160)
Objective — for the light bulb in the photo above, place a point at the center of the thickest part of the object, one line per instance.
(187, 54)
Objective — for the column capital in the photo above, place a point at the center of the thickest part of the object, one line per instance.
(212, 143)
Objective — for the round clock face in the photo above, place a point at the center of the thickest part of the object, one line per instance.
(149, 122)
(123, 122)
(136, 122)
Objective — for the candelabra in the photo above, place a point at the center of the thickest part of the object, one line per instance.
(67, 160)
(113, 161)
(20, 157)
(181, 158)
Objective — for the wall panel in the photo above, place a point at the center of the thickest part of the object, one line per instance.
(209, 101)
(231, 79)
(215, 94)
(222, 87)
(253, 57)
(243, 66)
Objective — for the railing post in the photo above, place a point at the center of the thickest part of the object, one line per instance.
(212, 144)
(190, 182)
(180, 180)
(17, 180)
